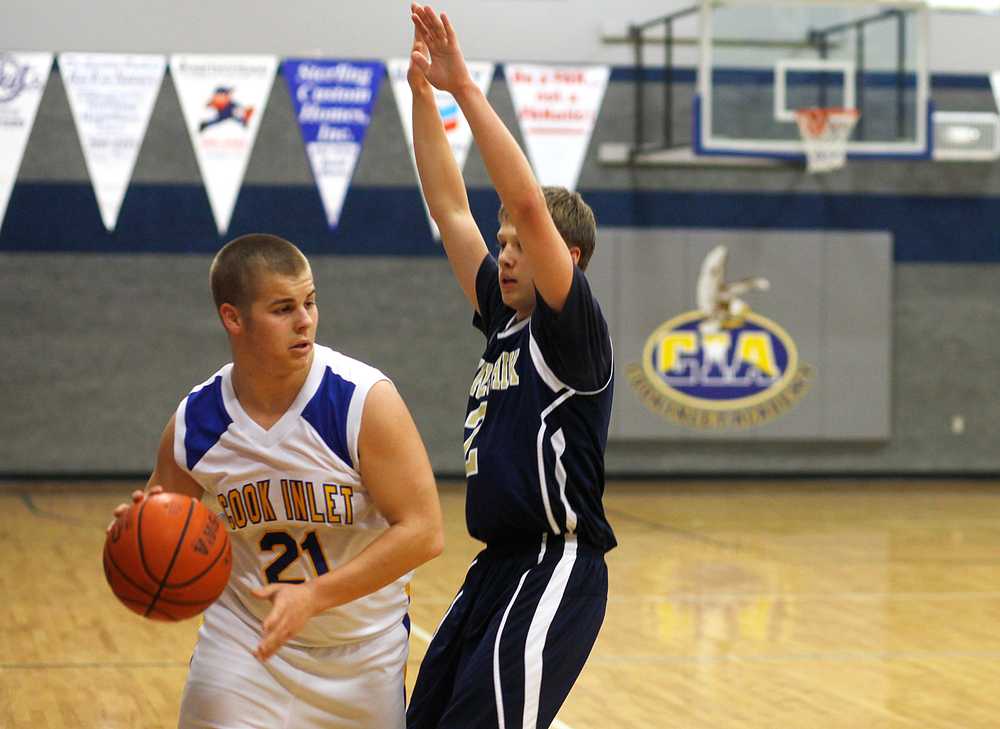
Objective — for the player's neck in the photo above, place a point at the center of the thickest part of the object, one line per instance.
(265, 395)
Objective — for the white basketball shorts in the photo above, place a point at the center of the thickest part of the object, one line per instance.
(355, 686)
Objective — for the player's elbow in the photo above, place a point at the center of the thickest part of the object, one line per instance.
(527, 205)
(451, 215)
(432, 543)
(426, 537)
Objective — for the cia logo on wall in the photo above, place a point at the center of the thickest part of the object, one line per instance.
(721, 365)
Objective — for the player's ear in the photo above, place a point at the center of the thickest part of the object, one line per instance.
(232, 320)
(574, 252)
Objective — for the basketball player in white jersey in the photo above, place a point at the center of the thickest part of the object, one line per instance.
(328, 493)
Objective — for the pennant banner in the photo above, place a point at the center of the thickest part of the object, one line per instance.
(22, 80)
(455, 126)
(333, 102)
(111, 97)
(223, 99)
(556, 107)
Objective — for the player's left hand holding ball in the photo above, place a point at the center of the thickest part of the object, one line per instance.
(137, 496)
(291, 608)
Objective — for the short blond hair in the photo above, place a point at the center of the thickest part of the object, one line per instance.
(238, 266)
(573, 219)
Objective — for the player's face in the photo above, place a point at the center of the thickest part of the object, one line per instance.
(517, 277)
(281, 327)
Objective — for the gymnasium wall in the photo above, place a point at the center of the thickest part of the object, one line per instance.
(103, 334)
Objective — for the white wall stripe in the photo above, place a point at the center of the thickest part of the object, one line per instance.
(539, 629)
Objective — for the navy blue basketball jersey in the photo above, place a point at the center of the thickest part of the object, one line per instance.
(537, 421)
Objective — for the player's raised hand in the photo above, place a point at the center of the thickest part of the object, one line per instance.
(137, 497)
(291, 608)
(420, 59)
(446, 69)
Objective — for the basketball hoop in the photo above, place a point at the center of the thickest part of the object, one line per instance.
(825, 132)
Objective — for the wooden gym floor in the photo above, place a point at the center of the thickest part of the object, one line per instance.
(790, 604)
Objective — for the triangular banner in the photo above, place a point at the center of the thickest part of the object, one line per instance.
(223, 99)
(22, 81)
(333, 102)
(455, 126)
(111, 96)
(556, 107)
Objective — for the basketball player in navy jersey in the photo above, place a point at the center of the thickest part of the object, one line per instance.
(330, 500)
(519, 631)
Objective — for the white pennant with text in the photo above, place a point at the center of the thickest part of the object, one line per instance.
(556, 107)
(22, 81)
(223, 99)
(111, 96)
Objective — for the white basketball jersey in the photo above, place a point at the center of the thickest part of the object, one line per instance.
(292, 494)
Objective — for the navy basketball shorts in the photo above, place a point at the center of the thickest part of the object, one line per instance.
(513, 642)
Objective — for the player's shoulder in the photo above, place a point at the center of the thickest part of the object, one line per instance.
(207, 398)
(348, 369)
(201, 418)
(336, 405)
(214, 381)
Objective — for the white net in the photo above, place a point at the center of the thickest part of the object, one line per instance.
(825, 133)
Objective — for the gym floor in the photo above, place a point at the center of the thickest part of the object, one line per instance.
(733, 604)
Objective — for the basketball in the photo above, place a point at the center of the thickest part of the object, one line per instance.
(168, 557)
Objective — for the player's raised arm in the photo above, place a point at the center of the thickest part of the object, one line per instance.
(508, 168)
(441, 180)
(397, 475)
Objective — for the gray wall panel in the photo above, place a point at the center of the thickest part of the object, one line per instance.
(53, 152)
(279, 157)
(853, 342)
(166, 156)
(103, 347)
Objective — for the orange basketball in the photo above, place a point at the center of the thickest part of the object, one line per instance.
(168, 557)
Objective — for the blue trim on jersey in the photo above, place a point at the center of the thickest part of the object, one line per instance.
(205, 420)
(327, 413)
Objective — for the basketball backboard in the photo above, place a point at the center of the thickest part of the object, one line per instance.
(761, 60)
